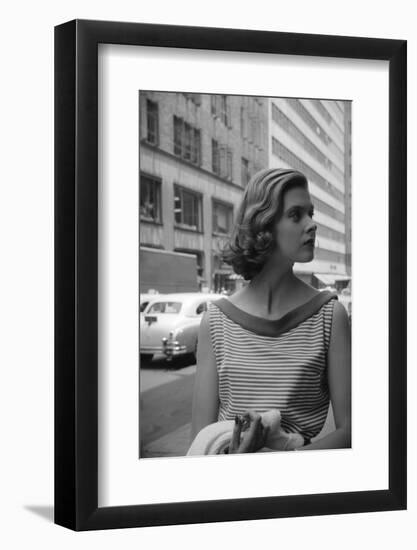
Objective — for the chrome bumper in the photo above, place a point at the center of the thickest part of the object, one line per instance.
(172, 348)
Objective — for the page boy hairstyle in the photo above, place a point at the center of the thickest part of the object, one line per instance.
(252, 239)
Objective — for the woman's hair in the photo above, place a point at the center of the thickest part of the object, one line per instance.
(252, 239)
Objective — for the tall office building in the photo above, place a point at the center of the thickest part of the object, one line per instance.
(313, 136)
(197, 153)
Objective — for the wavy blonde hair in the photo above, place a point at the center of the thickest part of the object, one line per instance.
(252, 239)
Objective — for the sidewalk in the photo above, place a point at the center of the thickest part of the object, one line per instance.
(175, 443)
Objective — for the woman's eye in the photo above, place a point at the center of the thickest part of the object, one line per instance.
(295, 216)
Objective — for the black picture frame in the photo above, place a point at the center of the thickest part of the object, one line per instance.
(76, 272)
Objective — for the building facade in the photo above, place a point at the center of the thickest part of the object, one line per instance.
(197, 153)
(313, 136)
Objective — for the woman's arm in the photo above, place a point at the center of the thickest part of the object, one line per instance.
(339, 379)
(206, 394)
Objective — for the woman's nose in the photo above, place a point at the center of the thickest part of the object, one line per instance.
(311, 226)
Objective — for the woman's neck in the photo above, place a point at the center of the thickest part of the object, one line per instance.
(272, 285)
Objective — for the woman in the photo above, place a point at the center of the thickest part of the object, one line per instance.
(277, 343)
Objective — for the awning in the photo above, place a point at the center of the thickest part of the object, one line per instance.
(329, 279)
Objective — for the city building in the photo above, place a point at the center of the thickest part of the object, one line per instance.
(197, 153)
(314, 137)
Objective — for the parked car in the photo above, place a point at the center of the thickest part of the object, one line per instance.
(169, 324)
(144, 300)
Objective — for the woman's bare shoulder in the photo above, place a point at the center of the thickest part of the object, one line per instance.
(340, 316)
(238, 297)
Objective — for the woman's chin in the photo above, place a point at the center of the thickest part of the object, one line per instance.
(306, 256)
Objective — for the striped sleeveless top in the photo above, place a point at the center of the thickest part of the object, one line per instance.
(266, 364)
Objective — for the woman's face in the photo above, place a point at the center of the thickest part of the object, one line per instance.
(296, 230)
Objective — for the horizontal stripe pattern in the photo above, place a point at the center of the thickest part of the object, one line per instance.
(286, 372)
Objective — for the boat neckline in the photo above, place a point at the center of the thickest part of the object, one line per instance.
(273, 327)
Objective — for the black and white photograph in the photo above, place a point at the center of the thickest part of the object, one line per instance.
(209, 250)
(245, 275)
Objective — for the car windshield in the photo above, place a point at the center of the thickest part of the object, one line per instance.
(165, 307)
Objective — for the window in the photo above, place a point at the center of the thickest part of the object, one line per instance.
(245, 172)
(150, 199)
(314, 125)
(323, 111)
(187, 141)
(201, 308)
(226, 163)
(223, 109)
(196, 147)
(143, 306)
(280, 151)
(187, 209)
(286, 124)
(165, 307)
(222, 217)
(215, 157)
(229, 168)
(221, 160)
(152, 122)
(220, 108)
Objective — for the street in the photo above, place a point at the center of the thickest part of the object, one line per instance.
(165, 406)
